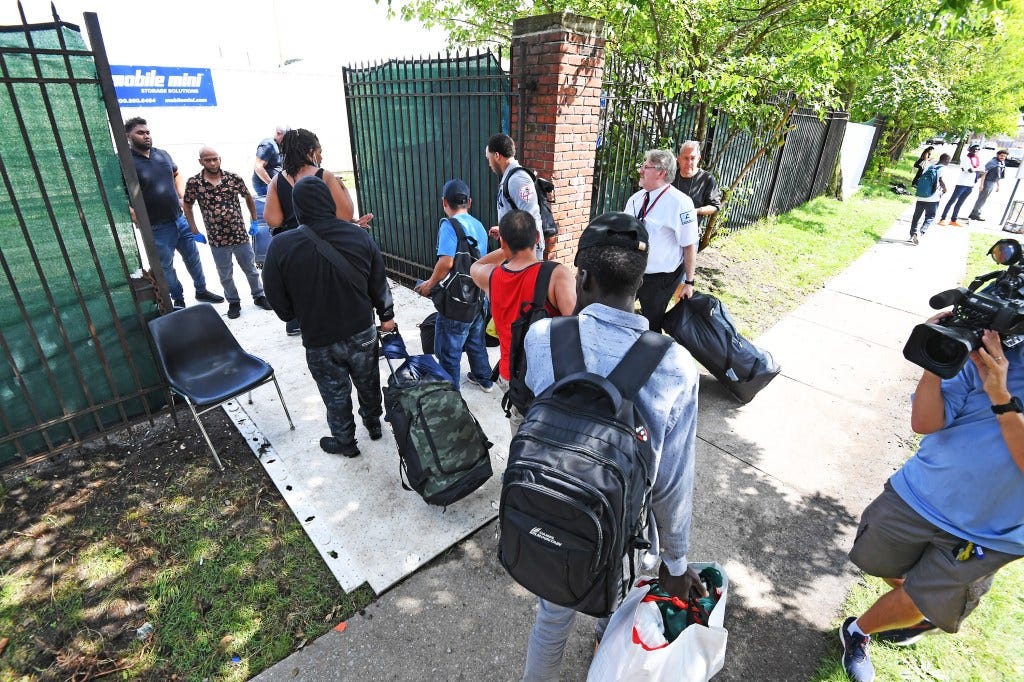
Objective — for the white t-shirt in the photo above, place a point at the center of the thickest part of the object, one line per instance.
(968, 176)
(671, 223)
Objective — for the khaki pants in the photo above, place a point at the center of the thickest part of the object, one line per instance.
(516, 419)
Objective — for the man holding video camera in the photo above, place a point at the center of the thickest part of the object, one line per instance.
(952, 516)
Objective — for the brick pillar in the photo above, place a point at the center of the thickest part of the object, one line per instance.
(557, 71)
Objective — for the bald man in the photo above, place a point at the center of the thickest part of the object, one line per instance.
(695, 183)
(217, 192)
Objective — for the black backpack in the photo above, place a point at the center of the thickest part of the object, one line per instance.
(579, 475)
(543, 187)
(456, 296)
(519, 394)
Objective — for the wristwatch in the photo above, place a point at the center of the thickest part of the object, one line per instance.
(688, 281)
(1015, 405)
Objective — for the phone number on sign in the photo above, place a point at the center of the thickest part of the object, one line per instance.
(136, 100)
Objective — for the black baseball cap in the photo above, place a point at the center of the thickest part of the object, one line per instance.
(614, 229)
(974, 148)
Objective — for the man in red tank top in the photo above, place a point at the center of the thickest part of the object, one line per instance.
(508, 276)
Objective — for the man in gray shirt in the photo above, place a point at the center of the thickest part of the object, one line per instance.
(610, 264)
(500, 154)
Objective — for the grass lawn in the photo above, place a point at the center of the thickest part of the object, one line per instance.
(988, 646)
(102, 541)
(764, 271)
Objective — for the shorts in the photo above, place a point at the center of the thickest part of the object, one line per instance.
(894, 541)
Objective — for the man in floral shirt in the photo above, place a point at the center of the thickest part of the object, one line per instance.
(217, 192)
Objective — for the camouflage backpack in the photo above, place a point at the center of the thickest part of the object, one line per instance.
(442, 449)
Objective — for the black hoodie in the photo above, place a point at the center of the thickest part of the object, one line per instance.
(301, 283)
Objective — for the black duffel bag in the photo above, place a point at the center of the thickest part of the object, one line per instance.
(703, 326)
(427, 328)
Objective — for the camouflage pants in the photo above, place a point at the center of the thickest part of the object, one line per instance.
(335, 368)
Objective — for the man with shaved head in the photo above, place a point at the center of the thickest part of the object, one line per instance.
(217, 192)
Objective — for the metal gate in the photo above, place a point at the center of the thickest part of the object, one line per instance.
(414, 124)
(75, 359)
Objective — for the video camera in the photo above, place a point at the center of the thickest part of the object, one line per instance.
(943, 348)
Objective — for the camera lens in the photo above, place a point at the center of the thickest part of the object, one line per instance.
(943, 351)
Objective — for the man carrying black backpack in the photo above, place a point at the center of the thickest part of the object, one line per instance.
(610, 264)
(461, 239)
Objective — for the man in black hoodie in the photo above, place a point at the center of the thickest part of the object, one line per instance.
(334, 304)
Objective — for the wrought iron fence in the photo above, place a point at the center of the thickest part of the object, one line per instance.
(75, 359)
(634, 120)
(414, 124)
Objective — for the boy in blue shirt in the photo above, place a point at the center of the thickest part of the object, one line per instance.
(952, 516)
(452, 337)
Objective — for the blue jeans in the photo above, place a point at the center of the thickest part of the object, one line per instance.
(243, 253)
(926, 208)
(548, 638)
(451, 337)
(335, 368)
(176, 235)
(956, 200)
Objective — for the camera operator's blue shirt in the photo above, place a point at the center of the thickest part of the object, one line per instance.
(963, 478)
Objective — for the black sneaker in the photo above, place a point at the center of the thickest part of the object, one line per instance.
(234, 309)
(178, 303)
(372, 425)
(907, 636)
(856, 662)
(333, 446)
(262, 302)
(291, 328)
(208, 297)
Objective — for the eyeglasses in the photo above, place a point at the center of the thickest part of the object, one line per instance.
(646, 166)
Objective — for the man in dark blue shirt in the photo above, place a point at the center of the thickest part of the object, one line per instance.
(268, 161)
(162, 189)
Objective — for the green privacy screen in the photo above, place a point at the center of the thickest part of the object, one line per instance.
(415, 124)
(75, 359)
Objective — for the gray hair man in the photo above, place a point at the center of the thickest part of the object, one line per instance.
(671, 222)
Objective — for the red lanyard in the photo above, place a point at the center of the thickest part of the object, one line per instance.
(650, 207)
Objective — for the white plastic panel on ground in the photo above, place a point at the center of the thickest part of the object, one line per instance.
(366, 527)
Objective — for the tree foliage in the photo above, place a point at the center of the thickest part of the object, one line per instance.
(920, 64)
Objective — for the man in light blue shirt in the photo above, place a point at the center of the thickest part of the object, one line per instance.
(452, 337)
(610, 264)
(953, 515)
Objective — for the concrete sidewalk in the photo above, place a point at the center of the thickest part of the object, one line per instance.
(781, 483)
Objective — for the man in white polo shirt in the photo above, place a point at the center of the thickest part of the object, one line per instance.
(671, 222)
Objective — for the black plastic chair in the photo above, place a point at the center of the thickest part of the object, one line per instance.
(204, 364)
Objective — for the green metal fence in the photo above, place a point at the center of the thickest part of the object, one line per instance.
(634, 120)
(75, 359)
(415, 124)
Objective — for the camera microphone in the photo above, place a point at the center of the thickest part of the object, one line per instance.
(944, 299)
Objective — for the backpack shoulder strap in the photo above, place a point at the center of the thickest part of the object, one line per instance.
(461, 236)
(639, 362)
(567, 353)
(504, 185)
(335, 257)
(540, 288)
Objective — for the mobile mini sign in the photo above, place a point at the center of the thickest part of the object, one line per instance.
(163, 86)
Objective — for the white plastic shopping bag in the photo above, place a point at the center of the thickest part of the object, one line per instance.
(696, 655)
